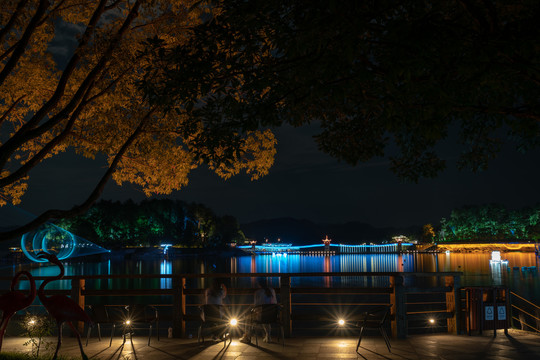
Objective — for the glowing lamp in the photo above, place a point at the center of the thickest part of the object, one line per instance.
(234, 322)
(432, 321)
(128, 322)
(341, 322)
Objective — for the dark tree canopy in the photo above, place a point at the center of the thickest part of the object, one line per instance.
(384, 78)
(152, 222)
(491, 222)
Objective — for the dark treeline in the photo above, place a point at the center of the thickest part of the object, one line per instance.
(152, 222)
(491, 222)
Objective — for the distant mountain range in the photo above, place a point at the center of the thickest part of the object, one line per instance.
(302, 232)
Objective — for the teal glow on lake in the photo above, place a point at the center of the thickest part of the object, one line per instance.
(520, 274)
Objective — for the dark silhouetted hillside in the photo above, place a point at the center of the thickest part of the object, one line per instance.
(301, 232)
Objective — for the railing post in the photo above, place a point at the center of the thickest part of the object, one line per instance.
(453, 305)
(77, 286)
(286, 302)
(398, 311)
(459, 313)
(179, 307)
(509, 311)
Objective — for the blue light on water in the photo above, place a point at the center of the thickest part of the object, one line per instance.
(289, 248)
(475, 267)
(54, 239)
(165, 268)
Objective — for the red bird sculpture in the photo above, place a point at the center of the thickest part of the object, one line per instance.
(14, 301)
(60, 307)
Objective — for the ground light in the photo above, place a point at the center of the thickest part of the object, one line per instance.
(432, 324)
(342, 326)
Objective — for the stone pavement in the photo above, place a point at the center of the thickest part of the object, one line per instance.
(517, 345)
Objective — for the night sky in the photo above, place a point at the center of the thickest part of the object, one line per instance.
(305, 183)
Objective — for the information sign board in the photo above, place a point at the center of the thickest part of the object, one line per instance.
(501, 312)
(489, 313)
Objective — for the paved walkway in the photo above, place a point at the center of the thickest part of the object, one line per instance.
(518, 345)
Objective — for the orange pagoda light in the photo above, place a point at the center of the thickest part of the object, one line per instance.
(326, 241)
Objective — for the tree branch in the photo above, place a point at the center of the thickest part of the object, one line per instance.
(25, 39)
(26, 132)
(8, 111)
(8, 51)
(12, 20)
(36, 159)
(92, 198)
(108, 87)
(19, 137)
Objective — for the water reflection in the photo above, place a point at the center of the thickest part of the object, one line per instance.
(327, 269)
(166, 269)
(521, 274)
(496, 273)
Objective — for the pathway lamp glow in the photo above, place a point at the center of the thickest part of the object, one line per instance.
(341, 322)
(233, 322)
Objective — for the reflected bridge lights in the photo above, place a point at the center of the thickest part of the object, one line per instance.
(496, 258)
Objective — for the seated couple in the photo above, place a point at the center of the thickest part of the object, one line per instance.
(263, 295)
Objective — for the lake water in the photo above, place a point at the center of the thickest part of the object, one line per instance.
(520, 275)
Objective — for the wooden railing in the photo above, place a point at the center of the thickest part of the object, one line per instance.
(408, 300)
(525, 313)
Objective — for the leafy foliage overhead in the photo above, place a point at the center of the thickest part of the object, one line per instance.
(55, 96)
(384, 78)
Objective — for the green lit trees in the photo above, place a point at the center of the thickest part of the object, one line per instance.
(152, 222)
(491, 223)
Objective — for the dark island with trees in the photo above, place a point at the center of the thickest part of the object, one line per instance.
(493, 223)
(150, 223)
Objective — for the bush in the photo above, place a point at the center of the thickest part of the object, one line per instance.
(36, 328)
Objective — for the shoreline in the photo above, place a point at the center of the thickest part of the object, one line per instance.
(483, 247)
(140, 253)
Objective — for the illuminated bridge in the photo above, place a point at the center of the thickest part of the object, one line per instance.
(329, 249)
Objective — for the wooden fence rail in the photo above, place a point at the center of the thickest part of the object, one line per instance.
(294, 298)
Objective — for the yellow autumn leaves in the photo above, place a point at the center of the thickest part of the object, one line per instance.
(87, 97)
